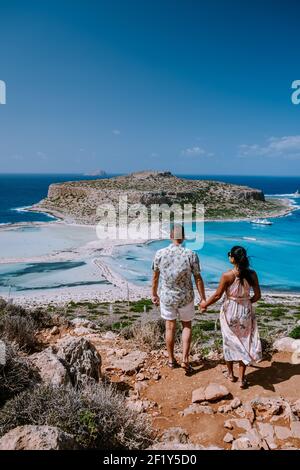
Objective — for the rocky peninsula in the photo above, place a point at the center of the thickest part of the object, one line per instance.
(77, 201)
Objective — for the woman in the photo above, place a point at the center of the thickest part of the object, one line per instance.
(241, 341)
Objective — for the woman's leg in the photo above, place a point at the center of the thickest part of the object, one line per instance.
(242, 370)
(230, 375)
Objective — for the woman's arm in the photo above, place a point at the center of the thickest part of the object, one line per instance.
(256, 288)
(224, 281)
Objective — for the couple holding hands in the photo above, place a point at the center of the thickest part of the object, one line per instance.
(173, 269)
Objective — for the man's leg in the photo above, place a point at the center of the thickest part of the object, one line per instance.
(186, 340)
(170, 338)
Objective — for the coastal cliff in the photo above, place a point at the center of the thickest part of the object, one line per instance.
(77, 201)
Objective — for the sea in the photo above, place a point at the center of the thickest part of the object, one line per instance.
(274, 250)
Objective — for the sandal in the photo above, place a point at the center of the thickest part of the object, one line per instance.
(173, 364)
(231, 378)
(244, 384)
(187, 367)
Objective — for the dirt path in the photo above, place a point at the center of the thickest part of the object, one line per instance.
(174, 391)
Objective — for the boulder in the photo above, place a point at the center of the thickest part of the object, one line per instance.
(32, 437)
(212, 392)
(295, 359)
(269, 405)
(81, 359)
(287, 344)
(51, 369)
(175, 435)
(130, 363)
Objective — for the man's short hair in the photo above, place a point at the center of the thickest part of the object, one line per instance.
(177, 232)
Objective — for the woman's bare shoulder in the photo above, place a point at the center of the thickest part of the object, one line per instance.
(228, 275)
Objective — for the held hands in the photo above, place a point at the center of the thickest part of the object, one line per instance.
(155, 299)
(202, 306)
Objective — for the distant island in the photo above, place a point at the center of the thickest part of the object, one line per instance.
(77, 201)
(96, 173)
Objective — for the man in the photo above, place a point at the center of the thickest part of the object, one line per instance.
(174, 266)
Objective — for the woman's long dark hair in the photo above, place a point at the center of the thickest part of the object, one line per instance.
(239, 254)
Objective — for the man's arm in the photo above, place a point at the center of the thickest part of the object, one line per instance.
(200, 286)
(155, 280)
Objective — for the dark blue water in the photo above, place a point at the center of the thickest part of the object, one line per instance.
(274, 250)
(18, 191)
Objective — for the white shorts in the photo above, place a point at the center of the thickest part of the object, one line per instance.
(186, 313)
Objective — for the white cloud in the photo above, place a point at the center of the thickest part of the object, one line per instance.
(42, 155)
(196, 151)
(116, 132)
(285, 147)
(154, 154)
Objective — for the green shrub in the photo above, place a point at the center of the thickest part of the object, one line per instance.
(295, 333)
(96, 416)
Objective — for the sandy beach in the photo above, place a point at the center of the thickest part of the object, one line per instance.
(61, 242)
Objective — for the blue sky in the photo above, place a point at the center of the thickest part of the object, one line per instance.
(123, 85)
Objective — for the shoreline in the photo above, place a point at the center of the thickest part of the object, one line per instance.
(96, 251)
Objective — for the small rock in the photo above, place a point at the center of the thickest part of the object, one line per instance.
(242, 443)
(156, 376)
(140, 386)
(212, 392)
(295, 428)
(282, 432)
(109, 335)
(266, 430)
(77, 322)
(287, 344)
(175, 435)
(241, 423)
(235, 403)
(228, 424)
(296, 407)
(196, 408)
(54, 330)
(140, 377)
(120, 353)
(215, 392)
(82, 331)
(228, 438)
(131, 363)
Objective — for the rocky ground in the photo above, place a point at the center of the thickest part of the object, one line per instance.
(195, 411)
